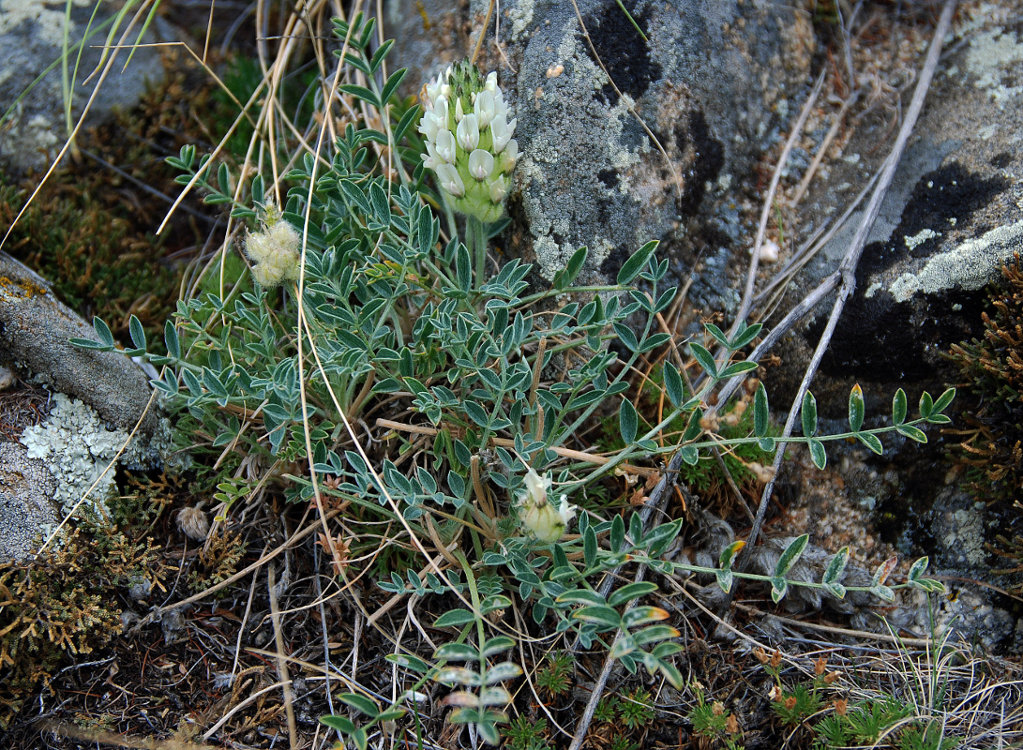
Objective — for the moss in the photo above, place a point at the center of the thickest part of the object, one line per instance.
(991, 442)
(991, 369)
(64, 604)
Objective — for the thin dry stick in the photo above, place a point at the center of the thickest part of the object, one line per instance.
(282, 663)
(765, 212)
(847, 269)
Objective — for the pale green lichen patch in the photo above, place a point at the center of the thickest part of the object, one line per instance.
(993, 59)
(969, 266)
(77, 446)
(919, 238)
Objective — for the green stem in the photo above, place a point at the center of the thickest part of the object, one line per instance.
(476, 233)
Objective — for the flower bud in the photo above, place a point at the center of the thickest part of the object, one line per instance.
(275, 251)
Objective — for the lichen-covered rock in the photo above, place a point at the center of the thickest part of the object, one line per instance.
(623, 132)
(33, 33)
(952, 218)
(26, 504)
(35, 328)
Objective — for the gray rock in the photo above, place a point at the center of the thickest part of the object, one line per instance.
(707, 88)
(26, 507)
(35, 328)
(950, 221)
(33, 32)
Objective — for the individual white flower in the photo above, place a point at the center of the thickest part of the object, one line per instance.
(450, 180)
(481, 164)
(538, 513)
(485, 108)
(503, 131)
(446, 146)
(499, 189)
(467, 132)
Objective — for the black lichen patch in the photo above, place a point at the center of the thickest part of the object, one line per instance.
(622, 50)
(608, 177)
(614, 261)
(708, 160)
(1002, 160)
(950, 192)
(880, 340)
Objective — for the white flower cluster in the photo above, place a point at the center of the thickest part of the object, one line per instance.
(469, 144)
(275, 252)
(546, 520)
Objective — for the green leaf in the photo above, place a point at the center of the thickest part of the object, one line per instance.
(856, 408)
(634, 265)
(926, 404)
(628, 421)
(737, 368)
(170, 338)
(496, 645)
(884, 570)
(673, 385)
(408, 661)
(883, 592)
(361, 92)
(360, 703)
(589, 547)
(913, 433)
(728, 554)
(476, 413)
(779, 587)
(836, 567)
(457, 652)
(103, 331)
(463, 268)
(631, 591)
(872, 441)
(837, 590)
(817, 453)
(568, 274)
(137, 332)
(506, 670)
(392, 83)
(340, 723)
(808, 415)
(582, 596)
(943, 401)
(745, 335)
(766, 444)
(638, 616)
(761, 414)
(724, 579)
(717, 334)
(791, 555)
(604, 617)
(690, 454)
(454, 617)
(617, 537)
(457, 676)
(899, 406)
(693, 427)
(918, 568)
(704, 358)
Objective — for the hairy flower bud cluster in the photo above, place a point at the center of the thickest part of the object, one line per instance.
(546, 520)
(469, 144)
(275, 251)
